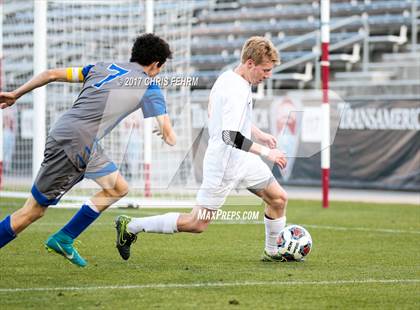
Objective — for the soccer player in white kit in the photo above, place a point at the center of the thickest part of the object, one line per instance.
(231, 158)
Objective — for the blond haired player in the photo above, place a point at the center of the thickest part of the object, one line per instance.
(231, 157)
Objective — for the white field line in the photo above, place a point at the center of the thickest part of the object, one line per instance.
(339, 228)
(207, 285)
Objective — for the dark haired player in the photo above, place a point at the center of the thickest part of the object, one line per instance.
(72, 150)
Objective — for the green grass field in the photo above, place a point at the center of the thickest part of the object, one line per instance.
(364, 256)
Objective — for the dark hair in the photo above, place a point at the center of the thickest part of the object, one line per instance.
(149, 48)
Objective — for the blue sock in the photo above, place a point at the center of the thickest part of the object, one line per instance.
(6, 232)
(80, 221)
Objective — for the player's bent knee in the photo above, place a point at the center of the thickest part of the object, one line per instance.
(279, 201)
(284, 198)
(123, 190)
(120, 190)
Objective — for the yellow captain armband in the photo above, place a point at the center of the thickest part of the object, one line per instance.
(74, 74)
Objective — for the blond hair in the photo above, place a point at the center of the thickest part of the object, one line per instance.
(259, 49)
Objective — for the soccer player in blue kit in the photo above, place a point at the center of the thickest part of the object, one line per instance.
(72, 150)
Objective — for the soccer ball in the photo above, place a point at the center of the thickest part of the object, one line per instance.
(294, 243)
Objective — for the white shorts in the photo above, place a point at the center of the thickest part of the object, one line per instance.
(252, 174)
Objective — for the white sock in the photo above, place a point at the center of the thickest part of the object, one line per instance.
(164, 224)
(272, 230)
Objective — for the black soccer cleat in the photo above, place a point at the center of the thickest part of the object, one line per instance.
(124, 237)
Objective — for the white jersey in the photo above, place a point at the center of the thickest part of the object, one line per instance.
(230, 108)
(226, 167)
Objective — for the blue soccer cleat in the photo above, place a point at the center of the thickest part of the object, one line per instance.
(62, 244)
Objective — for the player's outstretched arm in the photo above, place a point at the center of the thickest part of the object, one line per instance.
(166, 130)
(7, 99)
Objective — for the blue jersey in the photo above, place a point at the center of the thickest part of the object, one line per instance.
(110, 92)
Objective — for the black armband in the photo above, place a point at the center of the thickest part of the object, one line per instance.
(236, 139)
